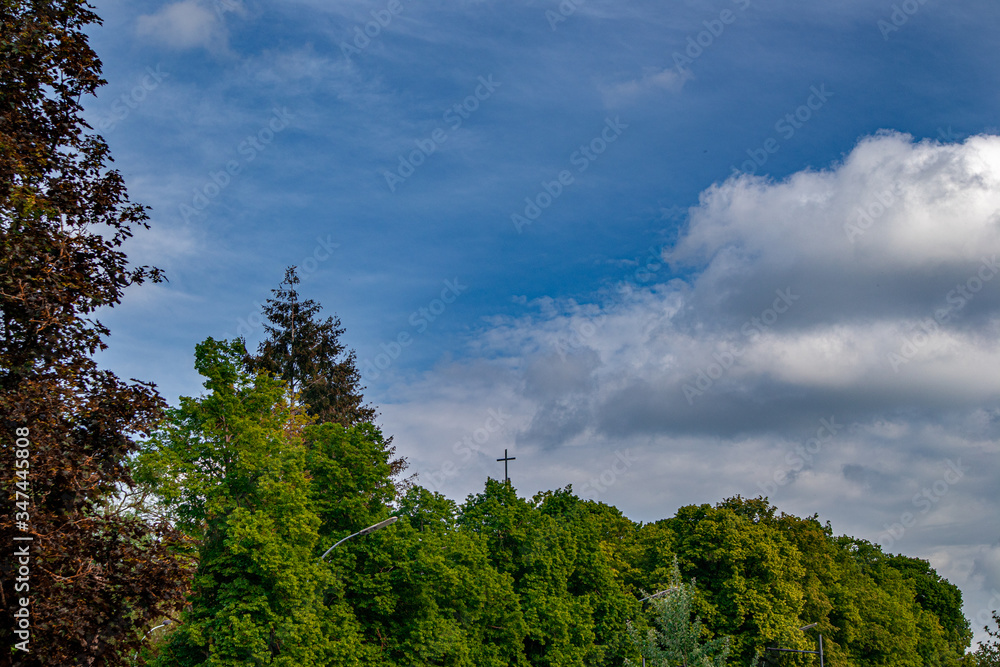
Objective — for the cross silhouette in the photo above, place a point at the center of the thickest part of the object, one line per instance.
(505, 459)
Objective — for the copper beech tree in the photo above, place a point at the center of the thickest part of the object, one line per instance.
(100, 569)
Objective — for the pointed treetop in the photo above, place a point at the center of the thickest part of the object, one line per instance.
(306, 352)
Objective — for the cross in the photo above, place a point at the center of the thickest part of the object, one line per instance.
(505, 459)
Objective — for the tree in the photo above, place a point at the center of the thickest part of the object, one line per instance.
(543, 558)
(749, 574)
(306, 352)
(99, 571)
(349, 470)
(599, 573)
(427, 594)
(231, 467)
(937, 596)
(988, 653)
(677, 639)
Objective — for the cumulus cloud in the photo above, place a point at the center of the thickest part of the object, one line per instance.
(187, 24)
(829, 340)
(895, 225)
(867, 288)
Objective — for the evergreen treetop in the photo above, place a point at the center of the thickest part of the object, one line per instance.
(306, 352)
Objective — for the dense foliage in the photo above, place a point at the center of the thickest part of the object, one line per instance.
(306, 352)
(231, 467)
(552, 581)
(98, 569)
(676, 640)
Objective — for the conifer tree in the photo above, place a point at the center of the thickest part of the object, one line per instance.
(306, 352)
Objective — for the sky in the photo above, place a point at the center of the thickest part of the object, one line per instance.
(667, 253)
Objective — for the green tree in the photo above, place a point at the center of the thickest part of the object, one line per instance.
(350, 485)
(677, 639)
(937, 596)
(349, 489)
(749, 575)
(600, 533)
(988, 653)
(427, 594)
(885, 609)
(306, 352)
(541, 555)
(231, 467)
(100, 572)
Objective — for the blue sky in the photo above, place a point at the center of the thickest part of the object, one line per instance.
(664, 252)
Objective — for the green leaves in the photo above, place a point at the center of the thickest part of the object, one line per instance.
(232, 467)
(677, 638)
(551, 581)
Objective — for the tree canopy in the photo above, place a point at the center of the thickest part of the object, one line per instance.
(677, 638)
(100, 567)
(231, 468)
(306, 352)
(988, 653)
(552, 580)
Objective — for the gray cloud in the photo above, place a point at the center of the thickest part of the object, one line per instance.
(716, 384)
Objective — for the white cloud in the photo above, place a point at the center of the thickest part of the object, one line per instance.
(625, 92)
(891, 205)
(185, 25)
(583, 383)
